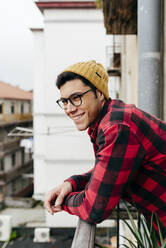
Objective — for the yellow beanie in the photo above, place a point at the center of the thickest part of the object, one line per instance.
(94, 72)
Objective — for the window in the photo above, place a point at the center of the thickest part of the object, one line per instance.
(1, 108)
(30, 108)
(12, 109)
(22, 157)
(13, 159)
(14, 187)
(1, 190)
(1, 165)
(30, 155)
(22, 108)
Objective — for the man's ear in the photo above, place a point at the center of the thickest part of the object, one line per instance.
(100, 95)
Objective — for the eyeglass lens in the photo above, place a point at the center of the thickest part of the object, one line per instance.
(74, 99)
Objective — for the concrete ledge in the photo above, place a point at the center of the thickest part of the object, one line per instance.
(19, 202)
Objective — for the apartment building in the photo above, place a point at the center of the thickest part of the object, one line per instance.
(15, 161)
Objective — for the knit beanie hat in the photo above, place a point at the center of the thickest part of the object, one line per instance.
(94, 72)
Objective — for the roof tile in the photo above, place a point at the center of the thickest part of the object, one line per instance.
(8, 91)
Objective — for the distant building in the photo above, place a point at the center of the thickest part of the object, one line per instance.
(15, 110)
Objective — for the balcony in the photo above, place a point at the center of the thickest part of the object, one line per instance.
(16, 172)
(9, 119)
(113, 55)
(85, 233)
(9, 145)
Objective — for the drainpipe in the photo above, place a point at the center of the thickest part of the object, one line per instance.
(149, 37)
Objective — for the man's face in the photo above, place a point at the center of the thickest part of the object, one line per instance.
(87, 113)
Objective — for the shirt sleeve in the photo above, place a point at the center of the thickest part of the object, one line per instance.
(79, 181)
(117, 160)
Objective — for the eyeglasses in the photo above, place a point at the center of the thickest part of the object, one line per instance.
(75, 99)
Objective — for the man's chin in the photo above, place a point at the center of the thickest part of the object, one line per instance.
(80, 127)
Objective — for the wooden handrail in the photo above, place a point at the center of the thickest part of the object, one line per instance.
(85, 233)
(84, 236)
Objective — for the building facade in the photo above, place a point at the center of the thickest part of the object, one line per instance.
(15, 111)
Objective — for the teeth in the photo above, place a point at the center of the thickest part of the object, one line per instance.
(78, 117)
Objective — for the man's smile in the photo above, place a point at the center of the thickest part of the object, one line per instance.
(77, 117)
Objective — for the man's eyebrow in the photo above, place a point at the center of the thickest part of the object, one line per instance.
(63, 98)
(75, 93)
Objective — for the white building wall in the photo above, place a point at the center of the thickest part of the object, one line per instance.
(18, 159)
(69, 36)
(7, 107)
(129, 73)
(27, 107)
(26, 157)
(17, 106)
(7, 163)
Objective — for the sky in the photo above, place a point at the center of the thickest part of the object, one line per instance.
(16, 41)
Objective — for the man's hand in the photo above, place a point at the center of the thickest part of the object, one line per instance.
(55, 197)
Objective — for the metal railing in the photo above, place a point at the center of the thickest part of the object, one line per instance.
(85, 233)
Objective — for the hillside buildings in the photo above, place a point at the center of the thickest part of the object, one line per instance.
(15, 110)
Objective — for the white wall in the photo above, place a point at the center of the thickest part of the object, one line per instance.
(129, 78)
(18, 163)
(17, 106)
(69, 36)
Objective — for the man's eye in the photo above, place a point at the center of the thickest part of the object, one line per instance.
(64, 101)
(75, 98)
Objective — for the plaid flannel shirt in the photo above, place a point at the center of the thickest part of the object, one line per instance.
(130, 164)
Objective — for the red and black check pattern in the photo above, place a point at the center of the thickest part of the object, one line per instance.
(130, 152)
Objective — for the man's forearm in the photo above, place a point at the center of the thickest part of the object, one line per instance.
(79, 182)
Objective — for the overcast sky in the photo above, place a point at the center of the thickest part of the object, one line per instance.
(16, 41)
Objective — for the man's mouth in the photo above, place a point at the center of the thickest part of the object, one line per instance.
(77, 117)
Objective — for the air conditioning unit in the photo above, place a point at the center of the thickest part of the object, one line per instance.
(41, 235)
(5, 227)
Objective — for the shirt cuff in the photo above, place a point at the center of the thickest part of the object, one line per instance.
(73, 183)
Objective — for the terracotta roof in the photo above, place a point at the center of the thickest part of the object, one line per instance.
(66, 4)
(8, 91)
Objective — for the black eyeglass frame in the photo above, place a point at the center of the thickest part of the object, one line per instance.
(69, 99)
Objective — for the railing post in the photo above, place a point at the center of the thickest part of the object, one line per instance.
(84, 235)
(117, 232)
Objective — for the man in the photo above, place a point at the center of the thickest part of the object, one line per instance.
(129, 147)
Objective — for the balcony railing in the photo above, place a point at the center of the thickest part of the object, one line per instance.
(85, 233)
(9, 144)
(113, 55)
(25, 168)
(15, 117)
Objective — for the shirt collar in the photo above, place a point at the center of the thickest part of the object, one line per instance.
(93, 132)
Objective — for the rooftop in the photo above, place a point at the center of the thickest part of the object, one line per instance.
(8, 91)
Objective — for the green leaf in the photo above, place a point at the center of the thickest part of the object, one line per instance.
(145, 237)
(130, 242)
(125, 246)
(100, 246)
(5, 244)
(13, 235)
(163, 245)
(134, 232)
(159, 229)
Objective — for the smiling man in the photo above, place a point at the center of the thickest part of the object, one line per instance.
(129, 146)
